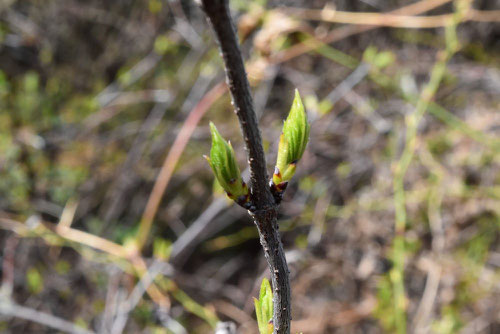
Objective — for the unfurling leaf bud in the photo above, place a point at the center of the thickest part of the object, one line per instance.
(226, 169)
(264, 308)
(293, 142)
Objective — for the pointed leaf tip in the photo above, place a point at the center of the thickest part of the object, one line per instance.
(264, 308)
(294, 139)
(223, 162)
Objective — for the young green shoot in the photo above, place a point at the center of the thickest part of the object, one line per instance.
(223, 163)
(264, 308)
(293, 142)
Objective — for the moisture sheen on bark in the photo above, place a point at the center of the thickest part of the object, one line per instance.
(266, 209)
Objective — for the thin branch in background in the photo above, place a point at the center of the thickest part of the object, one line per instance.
(436, 110)
(171, 160)
(229, 310)
(196, 229)
(348, 83)
(490, 142)
(89, 240)
(265, 215)
(111, 92)
(125, 179)
(198, 89)
(401, 167)
(318, 226)
(40, 228)
(169, 323)
(8, 265)
(68, 213)
(390, 20)
(106, 321)
(340, 33)
(422, 320)
(326, 318)
(363, 107)
(114, 249)
(11, 309)
(136, 295)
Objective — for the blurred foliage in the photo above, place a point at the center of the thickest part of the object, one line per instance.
(93, 94)
(34, 281)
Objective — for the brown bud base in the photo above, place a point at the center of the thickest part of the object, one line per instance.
(277, 190)
(243, 201)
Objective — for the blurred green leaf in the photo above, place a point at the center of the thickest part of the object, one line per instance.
(162, 248)
(163, 44)
(34, 280)
(378, 59)
(62, 267)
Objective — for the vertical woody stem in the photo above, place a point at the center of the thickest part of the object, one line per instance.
(266, 209)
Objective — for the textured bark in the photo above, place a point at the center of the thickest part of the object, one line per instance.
(270, 240)
(265, 208)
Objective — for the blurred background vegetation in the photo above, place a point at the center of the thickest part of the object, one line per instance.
(110, 220)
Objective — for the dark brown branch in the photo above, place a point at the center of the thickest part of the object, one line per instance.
(220, 19)
(266, 209)
(270, 240)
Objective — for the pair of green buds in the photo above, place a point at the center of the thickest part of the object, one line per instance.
(292, 145)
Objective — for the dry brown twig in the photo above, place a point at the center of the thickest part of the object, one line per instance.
(94, 242)
(11, 309)
(8, 265)
(389, 19)
(340, 33)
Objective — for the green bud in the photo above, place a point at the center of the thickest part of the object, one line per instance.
(293, 142)
(225, 168)
(264, 308)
